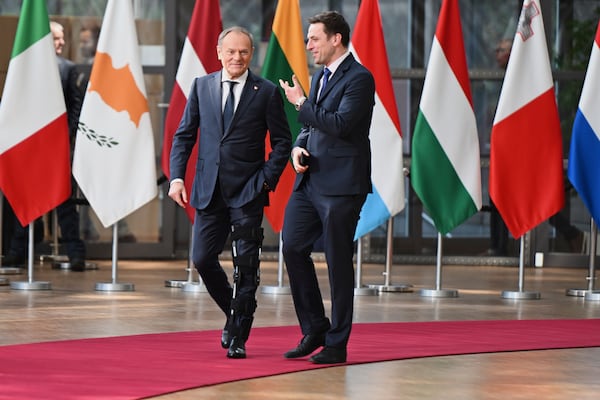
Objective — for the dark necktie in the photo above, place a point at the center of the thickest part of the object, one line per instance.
(326, 75)
(229, 107)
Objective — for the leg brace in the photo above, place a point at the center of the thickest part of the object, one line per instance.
(246, 278)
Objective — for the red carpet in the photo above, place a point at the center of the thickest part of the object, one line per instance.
(132, 367)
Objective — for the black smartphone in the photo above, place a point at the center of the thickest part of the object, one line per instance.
(304, 159)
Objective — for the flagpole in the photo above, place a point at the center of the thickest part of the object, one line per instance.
(591, 278)
(360, 289)
(114, 286)
(438, 291)
(521, 294)
(30, 284)
(279, 289)
(190, 285)
(592, 294)
(387, 286)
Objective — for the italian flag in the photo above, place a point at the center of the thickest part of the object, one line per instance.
(285, 57)
(445, 168)
(35, 171)
(198, 57)
(526, 171)
(387, 198)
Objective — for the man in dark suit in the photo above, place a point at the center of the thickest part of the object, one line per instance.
(232, 178)
(332, 157)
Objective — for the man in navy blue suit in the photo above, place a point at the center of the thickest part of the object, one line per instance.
(332, 158)
(230, 112)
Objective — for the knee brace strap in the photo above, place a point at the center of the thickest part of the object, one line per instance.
(249, 233)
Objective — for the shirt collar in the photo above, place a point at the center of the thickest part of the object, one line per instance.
(241, 79)
(335, 65)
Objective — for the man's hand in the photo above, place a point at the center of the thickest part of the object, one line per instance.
(292, 93)
(177, 192)
(297, 152)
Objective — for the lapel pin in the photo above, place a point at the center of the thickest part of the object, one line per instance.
(255, 87)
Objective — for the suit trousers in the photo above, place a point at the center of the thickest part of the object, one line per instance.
(309, 216)
(212, 227)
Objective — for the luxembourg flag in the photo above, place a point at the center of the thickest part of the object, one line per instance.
(526, 166)
(198, 57)
(445, 168)
(584, 155)
(114, 159)
(35, 171)
(286, 56)
(387, 199)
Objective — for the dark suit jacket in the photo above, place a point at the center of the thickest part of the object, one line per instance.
(336, 133)
(71, 91)
(236, 157)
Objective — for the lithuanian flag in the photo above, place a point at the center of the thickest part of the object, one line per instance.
(285, 57)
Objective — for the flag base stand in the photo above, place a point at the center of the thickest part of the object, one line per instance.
(34, 285)
(365, 291)
(438, 293)
(589, 293)
(576, 292)
(404, 288)
(114, 287)
(593, 295)
(276, 289)
(172, 283)
(30, 284)
(520, 295)
(10, 271)
(194, 287)
(67, 266)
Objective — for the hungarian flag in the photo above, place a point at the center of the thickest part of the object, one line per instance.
(114, 152)
(445, 167)
(584, 155)
(387, 199)
(285, 57)
(526, 169)
(35, 170)
(198, 57)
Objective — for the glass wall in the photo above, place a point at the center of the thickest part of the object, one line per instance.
(160, 229)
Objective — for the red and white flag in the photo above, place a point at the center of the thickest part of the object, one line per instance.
(387, 199)
(35, 171)
(526, 171)
(198, 57)
(114, 159)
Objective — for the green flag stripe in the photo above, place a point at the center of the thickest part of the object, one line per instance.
(33, 25)
(434, 179)
(275, 67)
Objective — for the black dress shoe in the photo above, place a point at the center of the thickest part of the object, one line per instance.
(225, 338)
(237, 349)
(329, 355)
(307, 345)
(77, 264)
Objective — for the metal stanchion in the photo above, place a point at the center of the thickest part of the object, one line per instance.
(360, 289)
(387, 286)
(114, 286)
(438, 291)
(521, 294)
(279, 289)
(591, 278)
(30, 284)
(190, 286)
